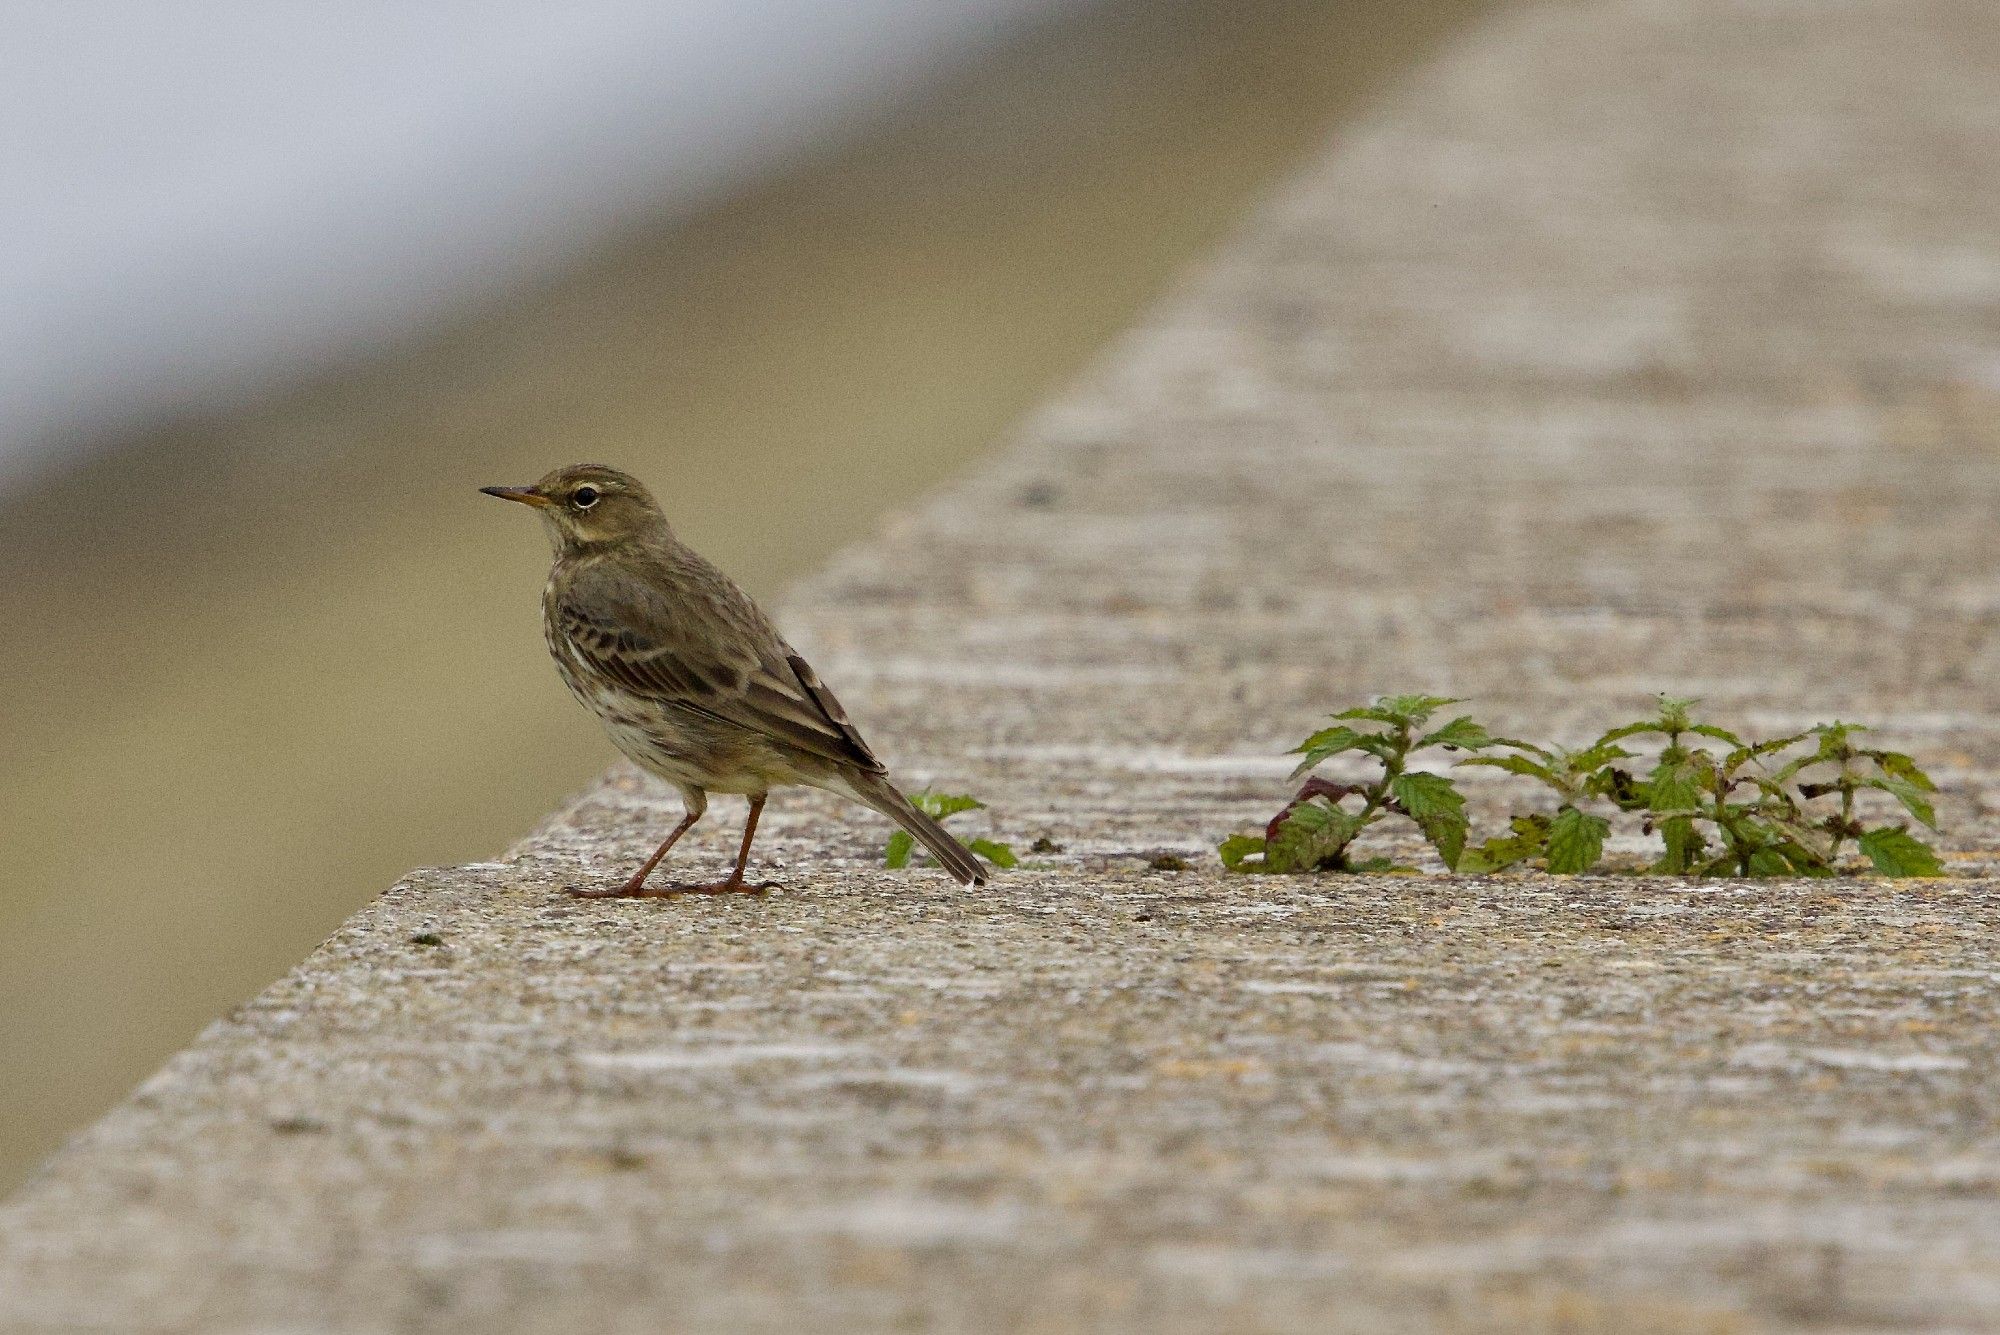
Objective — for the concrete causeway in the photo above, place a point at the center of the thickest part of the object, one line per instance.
(1628, 345)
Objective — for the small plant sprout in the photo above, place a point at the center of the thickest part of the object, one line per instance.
(1317, 829)
(1572, 840)
(939, 806)
(1671, 797)
(1891, 849)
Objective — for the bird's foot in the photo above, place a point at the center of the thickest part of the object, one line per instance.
(629, 890)
(729, 887)
(625, 891)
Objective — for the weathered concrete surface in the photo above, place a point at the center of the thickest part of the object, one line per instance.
(1632, 345)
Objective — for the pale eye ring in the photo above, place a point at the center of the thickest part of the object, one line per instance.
(584, 497)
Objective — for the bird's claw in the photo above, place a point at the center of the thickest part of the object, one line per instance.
(629, 891)
(725, 888)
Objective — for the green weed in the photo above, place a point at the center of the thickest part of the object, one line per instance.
(939, 807)
(1317, 829)
(1719, 803)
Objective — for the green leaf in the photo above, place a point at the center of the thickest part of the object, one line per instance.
(1593, 757)
(1417, 708)
(999, 854)
(1237, 851)
(1896, 852)
(1673, 716)
(1787, 771)
(1719, 734)
(1529, 838)
(1402, 710)
(939, 805)
(1684, 846)
(1899, 766)
(1576, 841)
(1804, 861)
(1674, 786)
(1314, 836)
(1768, 861)
(1708, 775)
(1438, 810)
(1328, 742)
(1911, 796)
(1332, 741)
(1835, 737)
(896, 853)
(1623, 731)
(1462, 733)
(1513, 765)
(1749, 751)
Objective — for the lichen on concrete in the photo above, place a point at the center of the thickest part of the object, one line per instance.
(1626, 347)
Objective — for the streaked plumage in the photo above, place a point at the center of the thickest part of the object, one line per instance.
(690, 678)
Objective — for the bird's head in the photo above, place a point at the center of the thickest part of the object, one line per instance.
(589, 505)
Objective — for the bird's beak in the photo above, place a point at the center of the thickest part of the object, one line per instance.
(525, 495)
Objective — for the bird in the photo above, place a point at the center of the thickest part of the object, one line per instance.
(690, 678)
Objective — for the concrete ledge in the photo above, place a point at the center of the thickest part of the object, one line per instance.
(1629, 346)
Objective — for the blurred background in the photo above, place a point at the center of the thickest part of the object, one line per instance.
(280, 284)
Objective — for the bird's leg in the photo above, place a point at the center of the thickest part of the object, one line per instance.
(736, 884)
(735, 880)
(635, 888)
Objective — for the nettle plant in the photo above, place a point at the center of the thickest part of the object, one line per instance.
(1317, 829)
(1846, 771)
(1720, 804)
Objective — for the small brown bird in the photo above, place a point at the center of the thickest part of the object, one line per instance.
(689, 676)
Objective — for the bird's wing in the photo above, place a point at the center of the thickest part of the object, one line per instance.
(706, 647)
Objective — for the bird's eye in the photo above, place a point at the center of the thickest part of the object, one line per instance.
(583, 497)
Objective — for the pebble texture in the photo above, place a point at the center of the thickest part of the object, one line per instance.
(1626, 346)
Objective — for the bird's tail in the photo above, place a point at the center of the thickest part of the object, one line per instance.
(953, 856)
